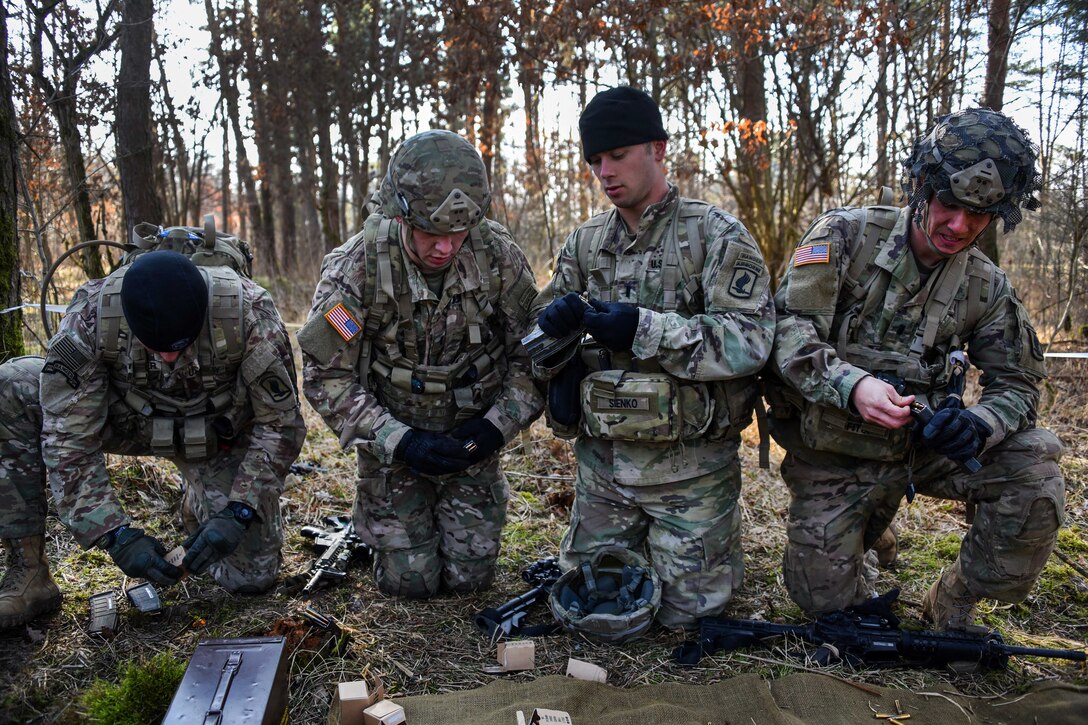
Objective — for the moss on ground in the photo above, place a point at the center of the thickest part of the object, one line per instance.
(141, 695)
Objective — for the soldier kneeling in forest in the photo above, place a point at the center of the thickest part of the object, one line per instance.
(412, 354)
(162, 358)
(874, 313)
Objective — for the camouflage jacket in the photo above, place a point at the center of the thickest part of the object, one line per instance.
(82, 407)
(827, 340)
(359, 399)
(730, 337)
(724, 334)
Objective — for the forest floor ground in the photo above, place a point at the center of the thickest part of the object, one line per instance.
(48, 669)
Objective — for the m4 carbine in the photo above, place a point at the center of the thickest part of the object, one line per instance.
(507, 618)
(338, 546)
(868, 639)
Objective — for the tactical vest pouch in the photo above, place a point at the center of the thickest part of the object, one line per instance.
(620, 405)
(831, 430)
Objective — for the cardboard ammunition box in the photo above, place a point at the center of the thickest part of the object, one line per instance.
(233, 682)
(515, 656)
(541, 716)
(352, 698)
(385, 712)
(581, 670)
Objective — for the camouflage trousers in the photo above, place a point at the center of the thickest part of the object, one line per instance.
(249, 569)
(840, 506)
(689, 528)
(23, 502)
(430, 531)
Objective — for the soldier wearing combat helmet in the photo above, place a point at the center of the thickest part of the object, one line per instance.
(412, 356)
(878, 313)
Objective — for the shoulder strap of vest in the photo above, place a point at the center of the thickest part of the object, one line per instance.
(591, 239)
(226, 314)
(981, 280)
(876, 224)
(940, 300)
(689, 233)
(110, 316)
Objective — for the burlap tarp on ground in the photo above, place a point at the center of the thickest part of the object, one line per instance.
(798, 698)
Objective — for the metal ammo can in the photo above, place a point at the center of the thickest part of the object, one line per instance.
(235, 681)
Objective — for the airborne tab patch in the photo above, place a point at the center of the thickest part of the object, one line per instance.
(342, 321)
(812, 254)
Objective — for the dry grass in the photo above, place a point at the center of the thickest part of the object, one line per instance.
(433, 647)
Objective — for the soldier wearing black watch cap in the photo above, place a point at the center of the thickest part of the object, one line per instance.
(164, 358)
(680, 315)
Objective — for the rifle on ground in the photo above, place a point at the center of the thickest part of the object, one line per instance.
(868, 639)
(508, 618)
(338, 546)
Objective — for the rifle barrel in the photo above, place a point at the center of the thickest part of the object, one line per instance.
(1062, 654)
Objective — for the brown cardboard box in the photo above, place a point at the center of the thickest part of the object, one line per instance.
(385, 712)
(516, 656)
(581, 670)
(353, 698)
(175, 556)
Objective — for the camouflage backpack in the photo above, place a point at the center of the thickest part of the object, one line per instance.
(203, 245)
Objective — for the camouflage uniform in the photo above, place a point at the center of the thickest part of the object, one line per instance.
(711, 335)
(22, 479)
(87, 409)
(428, 360)
(846, 477)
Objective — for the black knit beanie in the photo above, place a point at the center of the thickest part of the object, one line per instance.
(165, 300)
(622, 116)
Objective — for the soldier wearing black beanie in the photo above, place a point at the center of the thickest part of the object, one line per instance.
(622, 116)
(671, 285)
(165, 300)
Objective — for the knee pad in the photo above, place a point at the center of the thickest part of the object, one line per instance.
(412, 573)
(462, 576)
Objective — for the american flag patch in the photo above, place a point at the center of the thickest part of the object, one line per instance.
(812, 254)
(342, 321)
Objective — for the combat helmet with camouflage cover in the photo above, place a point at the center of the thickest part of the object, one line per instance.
(436, 182)
(978, 159)
(611, 598)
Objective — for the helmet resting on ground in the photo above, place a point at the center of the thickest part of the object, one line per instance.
(611, 598)
(436, 182)
(978, 159)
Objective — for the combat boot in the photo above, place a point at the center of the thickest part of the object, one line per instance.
(887, 547)
(949, 605)
(27, 589)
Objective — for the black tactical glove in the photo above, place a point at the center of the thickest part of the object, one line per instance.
(563, 316)
(140, 555)
(480, 436)
(956, 433)
(434, 454)
(217, 538)
(612, 324)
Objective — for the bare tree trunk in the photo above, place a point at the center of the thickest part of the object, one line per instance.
(134, 159)
(993, 96)
(62, 102)
(11, 324)
(224, 175)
